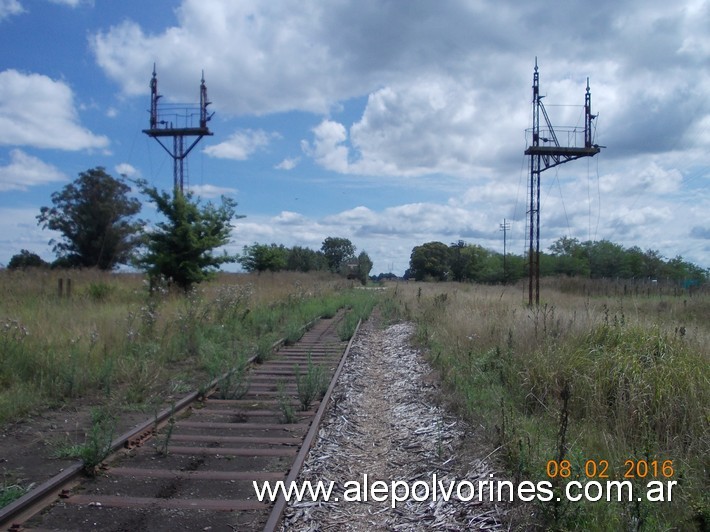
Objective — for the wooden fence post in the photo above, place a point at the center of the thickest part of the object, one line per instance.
(60, 287)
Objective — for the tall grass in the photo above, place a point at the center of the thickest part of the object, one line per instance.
(581, 377)
(112, 339)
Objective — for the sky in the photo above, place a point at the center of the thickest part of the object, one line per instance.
(391, 123)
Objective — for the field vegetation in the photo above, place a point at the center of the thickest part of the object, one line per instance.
(114, 341)
(600, 371)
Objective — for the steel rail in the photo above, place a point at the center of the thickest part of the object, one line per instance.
(42, 496)
(35, 500)
(280, 505)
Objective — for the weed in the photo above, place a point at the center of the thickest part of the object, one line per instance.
(347, 327)
(162, 443)
(106, 375)
(100, 291)
(11, 490)
(142, 376)
(587, 375)
(288, 415)
(231, 301)
(235, 384)
(294, 333)
(97, 445)
(311, 386)
(264, 349)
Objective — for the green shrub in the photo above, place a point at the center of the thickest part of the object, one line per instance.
(99, 291)
(312, 385)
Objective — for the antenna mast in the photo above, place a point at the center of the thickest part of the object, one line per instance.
(178, 121)
(505, 227)
(545, 156)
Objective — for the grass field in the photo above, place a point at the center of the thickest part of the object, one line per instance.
(113, 341)
(598, 373)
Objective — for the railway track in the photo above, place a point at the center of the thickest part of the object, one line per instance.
(197, 471)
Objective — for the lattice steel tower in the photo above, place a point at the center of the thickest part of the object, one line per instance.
(548, 155)
(178, 121)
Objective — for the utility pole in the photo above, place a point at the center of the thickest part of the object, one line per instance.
(505, 227)
(178, 121)
(545, 156)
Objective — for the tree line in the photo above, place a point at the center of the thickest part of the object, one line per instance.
(459, 261)
(336, 255)
(96, 218)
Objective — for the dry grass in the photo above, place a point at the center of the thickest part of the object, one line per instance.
(113, 340)
(636, 368)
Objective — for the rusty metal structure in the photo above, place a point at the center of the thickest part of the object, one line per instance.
(178, 121)
(546, 152)
(505, 227)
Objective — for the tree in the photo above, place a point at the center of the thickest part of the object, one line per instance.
(261, 258)
(26, 259)
(364, 265)
(458, 260)
(430, 260)
(181, 248)
(652, 264)
(337, 251)
(605, 259)
(469, 262)
(569, 257)
(633, 263)
(302, 259)
(94, 215)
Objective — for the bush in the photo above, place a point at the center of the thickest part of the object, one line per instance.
(26, 259)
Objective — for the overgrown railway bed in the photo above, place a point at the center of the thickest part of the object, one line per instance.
(197, 471)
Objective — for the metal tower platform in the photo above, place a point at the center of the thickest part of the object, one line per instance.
(178, 121)
(548, 155)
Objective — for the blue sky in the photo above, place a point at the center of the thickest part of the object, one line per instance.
(388, 123)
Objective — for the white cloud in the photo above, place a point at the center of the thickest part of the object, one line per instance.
(38, 111)
(433, 126)
(240, 145)
(631, 223)
(73, 3)
(327, 148)
(290, 218)
(239, 44)
(288, 164)
(9, 8)
(125, 169)
(25, 171)
(387, 235)
(19, 230)
(390, 233)
(649, 177)
(212, 191)
(447, 90)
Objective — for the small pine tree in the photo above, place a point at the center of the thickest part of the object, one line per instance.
(180, 249)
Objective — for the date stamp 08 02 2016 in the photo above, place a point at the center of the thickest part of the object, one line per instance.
(599, 469)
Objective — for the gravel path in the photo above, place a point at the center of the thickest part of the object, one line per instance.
(384, 422)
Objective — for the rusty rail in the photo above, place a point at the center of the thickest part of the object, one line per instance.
(254, 441)
(280, 505)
